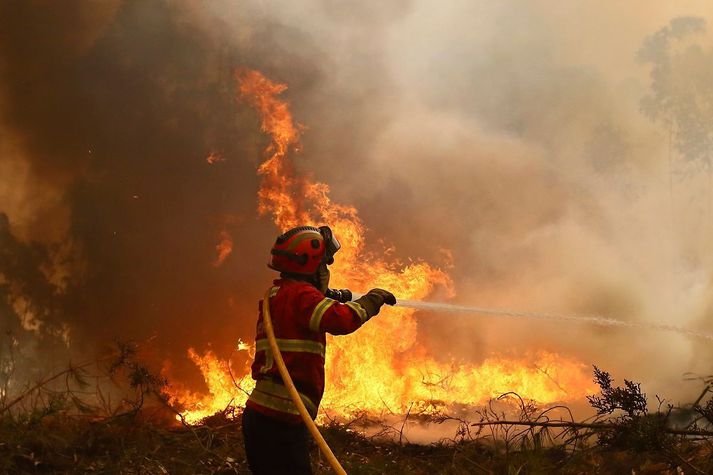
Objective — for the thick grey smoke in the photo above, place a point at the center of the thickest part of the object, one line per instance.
(505, 138)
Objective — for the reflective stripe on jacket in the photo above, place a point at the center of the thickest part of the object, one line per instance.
(276, 397)
(301, 316)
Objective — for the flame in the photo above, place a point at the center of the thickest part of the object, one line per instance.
(242, 346)
(381, 366)
(214, 157)
(276, 194)
(225, 388)
(223, 248)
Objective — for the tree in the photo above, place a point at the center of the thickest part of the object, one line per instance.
(681, 96)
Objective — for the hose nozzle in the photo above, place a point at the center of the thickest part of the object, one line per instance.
(342, 295)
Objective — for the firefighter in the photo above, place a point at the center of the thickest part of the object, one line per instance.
(276, 439)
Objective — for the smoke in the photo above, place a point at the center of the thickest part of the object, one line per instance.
(506, 140)
(110, 126)
(549, 182)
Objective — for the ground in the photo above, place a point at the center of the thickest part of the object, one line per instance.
(129, 444)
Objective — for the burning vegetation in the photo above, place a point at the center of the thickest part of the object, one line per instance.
(382, 368)
(112, 415)
(520, 159)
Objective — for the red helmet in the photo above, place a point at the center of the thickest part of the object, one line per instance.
(302, 249)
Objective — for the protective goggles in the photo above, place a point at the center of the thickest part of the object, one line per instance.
(330, 242)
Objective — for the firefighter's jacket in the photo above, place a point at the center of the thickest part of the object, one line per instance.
(301, 317)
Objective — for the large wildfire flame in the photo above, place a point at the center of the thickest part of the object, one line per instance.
(381, 367)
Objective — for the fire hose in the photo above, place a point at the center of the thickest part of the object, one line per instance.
(290, 385)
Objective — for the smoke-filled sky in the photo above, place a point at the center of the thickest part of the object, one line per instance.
(525, 146)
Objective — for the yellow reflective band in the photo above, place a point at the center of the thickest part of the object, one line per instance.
(318, 313)
(273, 402)
(273, 291)
(302, 236)
(359, 310)
(295, 346)
(275, 396)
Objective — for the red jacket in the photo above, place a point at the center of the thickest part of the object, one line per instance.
(301, 316)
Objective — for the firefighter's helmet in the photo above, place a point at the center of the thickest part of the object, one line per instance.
(301, 250)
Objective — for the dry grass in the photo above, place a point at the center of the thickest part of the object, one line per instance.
(69, 422)
(134, 445)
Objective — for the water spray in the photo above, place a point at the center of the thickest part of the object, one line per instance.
(592, 319)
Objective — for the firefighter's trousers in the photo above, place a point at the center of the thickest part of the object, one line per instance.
(274, 447)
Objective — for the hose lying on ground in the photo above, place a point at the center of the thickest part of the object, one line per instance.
(336, 466)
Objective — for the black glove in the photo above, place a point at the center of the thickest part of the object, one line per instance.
(374, 299)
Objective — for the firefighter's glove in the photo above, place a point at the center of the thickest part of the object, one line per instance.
(374, 299)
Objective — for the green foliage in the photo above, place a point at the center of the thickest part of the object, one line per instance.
(629, 398)
(635, 428)
(140, 378)
(681, 89)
